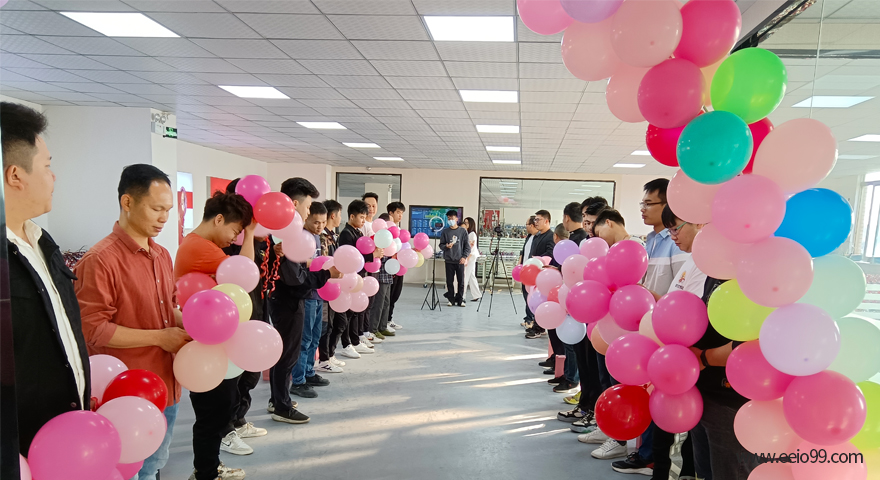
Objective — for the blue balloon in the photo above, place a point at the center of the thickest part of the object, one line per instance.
(819, 219)
(714, 147)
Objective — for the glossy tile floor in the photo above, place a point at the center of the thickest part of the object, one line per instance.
(455, 395)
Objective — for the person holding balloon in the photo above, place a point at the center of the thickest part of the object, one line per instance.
(382, 299)
(372, 201)
(336, 322)
(395, 211)
(542, 246)
(128, 296)
(525, 254)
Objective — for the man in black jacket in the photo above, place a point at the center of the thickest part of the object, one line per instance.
(51, 360)
(456, 248)
(542, 246)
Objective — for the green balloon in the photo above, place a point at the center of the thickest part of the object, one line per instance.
(750, 83)
(859, 357)
(838, 285)
(735, 316)
(869, 436)
(714, 147)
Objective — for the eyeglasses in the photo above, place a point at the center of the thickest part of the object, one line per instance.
(645, 205)
(674, 231)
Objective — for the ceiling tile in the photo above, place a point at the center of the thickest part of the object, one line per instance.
(23, 5)
(145, 64)
(165, 47)
(268, 6)
(477, 51)
(141, 88)
(396, 50)
(481, 69)
(356, 81)
(240, 48)
(44, 23)
(540, 52)
(366, 27)
(28, 44)
(48, 74)
(369, 93)
(93, 45)
(84, 5)
(371, 7)
(212, 65)
(450, 95)
(322, 93)
(68, 61)
(421, 83)
(11, 60)
(87, 87)
(465, 7)
(172, 77)
(304, 27)
(319, 49)
(339, 67)
(220, 78)
(257, 65)
(174, 5)
(109, 76)
(204, 25)
(415, 68)
(303, 81)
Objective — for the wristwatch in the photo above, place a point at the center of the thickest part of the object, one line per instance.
(704, 359)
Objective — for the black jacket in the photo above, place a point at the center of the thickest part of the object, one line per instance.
(349, 236)
(45, 385)
(578, 236)
(542, 244)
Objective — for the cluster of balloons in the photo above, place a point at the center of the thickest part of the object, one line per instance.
(225, 341)
(111, 443)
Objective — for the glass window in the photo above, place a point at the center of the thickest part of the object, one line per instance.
(351, 186)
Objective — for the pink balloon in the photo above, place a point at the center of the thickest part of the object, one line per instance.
(348, 259)
(261, 231)
(379, 224)
(587, 52)
(405, 236)
(342, 303)
(597, 270)
(359, 301)
(23, 468)
(775, 272)
(826, 408)
(807, 470)
(200, 367)
(104, 368)
(761, 428)
(680, 318)
(115, 475)
(646, 32)
(390, 250)
(318, 263)
(676, 413)
(797, 154)
(629, 304)
(421, 241)
(349, 281)
(673, 369)
(256, 346)
(291, 229)
(752, 376)
(371, 286)
(627, 358)
(239, 239)
(141, 426)
(239, 270)
(374, 266)
(210, 317)
(405, 246)
(395, 231)
(646, 328)
(799, 339)
(563, 250)
(594, 247)
(76, 445)
(408, 258)
(627, 262)
(547, 280)
(401, 271)
(563, 294)
(252, 187)
(300, 248)
(671, 93)
(544, 17)
(590, 11)
(365, 245)
(772, 471)
(330, 291)
(191, 283)
(710, 29)
(515, 272)
(714, 254)
(550, 315)
(748, 208)
(609, 330)
(622, 93)
(689, 200)
(428, 252)
(588, 301)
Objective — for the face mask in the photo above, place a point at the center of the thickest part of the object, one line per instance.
(452, 223)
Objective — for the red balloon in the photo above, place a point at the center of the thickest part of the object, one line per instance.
(662, 143)
(193, 283)
(760, 130)
(529, 274)
(138, 383)
(554, 294)
(274, 210)
(623, 412)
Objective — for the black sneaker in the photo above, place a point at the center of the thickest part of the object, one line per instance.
(634, 464)
(572, 415)
(532, 334)
(556, 380)
(550, 371)
(303, 390)
(293, 416)
(549, 363)
(317, 381)
(271, 408)
(565, 387)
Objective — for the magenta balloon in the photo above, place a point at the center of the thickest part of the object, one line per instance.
(563, 250)
(395, 231)
(300, 248)
(853, 470)
(318, 263)
(535, 299)
(550, 315)
(342, 303)
(77, 445)
(775, 272)
(691, 201)
(752, 376)
(597, 270)
(588, 301)
(374, 266)
(544, 17)
(359, 301)
(622, 93)
(371, 286)
(515, 272)
(401, 271)
(671, 93)
(104, 368)
(573, 269)
(210, 317)
(627, 262)
(128, 470)
(594, 247)
(547, 280)
(680, 318)
(141, 426)
(748, 208)
(252, 187)
(714, 254)
(256, 346)
(627, 358)
(710, 29)
(239, 270)
(673, 369)
(590, 11)
(629, 304)
(365, 245)
(348, 259)
(330, 291)
(646, 32)
(800, 339)
(760, 427)
(405, 236)
(676, 413)
(826, 408)
(587, 52)
(420, 241)
(797, 154)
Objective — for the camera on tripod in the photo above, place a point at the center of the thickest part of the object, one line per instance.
(498, 230)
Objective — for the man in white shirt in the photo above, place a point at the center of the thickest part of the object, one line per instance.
(526, 254)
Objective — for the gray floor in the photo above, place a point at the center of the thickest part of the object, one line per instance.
(455, 395)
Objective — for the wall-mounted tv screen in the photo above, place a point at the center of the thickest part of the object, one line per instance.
(430, 220)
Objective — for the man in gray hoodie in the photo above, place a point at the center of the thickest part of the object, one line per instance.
(456, 248)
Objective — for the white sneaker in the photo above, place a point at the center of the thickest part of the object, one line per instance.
(375, 340)
(394, 325)
(350, 352)
(610, 449)
(248, 430)
(363, 349)
(226, 473)
(366, 341)
(338, 363)
(327, 367)
(369, 336)
(448, 304)
(390, 329)
(232, 443)
(596, 437)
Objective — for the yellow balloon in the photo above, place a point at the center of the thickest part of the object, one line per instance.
(872, 461)
(868, 437)
(734, 315)
(240, 297)
(421, 260)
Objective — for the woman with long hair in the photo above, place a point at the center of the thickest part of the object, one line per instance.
(470, 270)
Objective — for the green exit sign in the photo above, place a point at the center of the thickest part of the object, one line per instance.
(170, 132)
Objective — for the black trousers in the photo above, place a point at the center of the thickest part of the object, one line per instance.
(556, 343)
(338, 330)
(396, 290)
(213, 410)
(529, 315)
(588, 369)
(326, 327)
(354, 329)
(454, 271)
(288, 317)
(247, 381)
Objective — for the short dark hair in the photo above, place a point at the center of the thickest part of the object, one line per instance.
(543, 213)
(136, 179)
(370, 195)
(669, 218)
(231, 187)
(594, 205)
(20, 127)
(573, 210)
(472, 224)
(332, 206)
(531, 221)
(385, 217)
(317, 208)
(299, 188)
(357, 207)
(234, 208)
(609, 214)
(561, 232)
(452, 213)
(658, 185)
(395, 206)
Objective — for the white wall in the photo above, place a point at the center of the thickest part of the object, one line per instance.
(320, 175)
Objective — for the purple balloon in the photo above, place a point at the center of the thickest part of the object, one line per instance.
(590, 11)
(563, 250)
(210, 317)
(536, 298)
(77, 445)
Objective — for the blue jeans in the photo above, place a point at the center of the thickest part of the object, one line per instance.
(571, 367)
(305, 366)
(156, 461)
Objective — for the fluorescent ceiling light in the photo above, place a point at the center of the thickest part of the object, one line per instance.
(507, 162)
(254, 92)
(641, 152)
(323, 125)
(361, 145)
(120, 24)
(629, 165)
(855, 157)
(389, 159)
(489, 96)
(498, 128)
(871, 137)
(831, 101)
(470, 29)
(502, 149)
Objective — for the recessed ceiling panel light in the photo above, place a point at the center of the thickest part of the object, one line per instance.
(323, 125)
(641, 153)
(389, 159)
(871, 137)
(254, 92)
(498, 128)
(831, 101)
(502, 149)
(489, 96)
(629, 165)
(856, 157)
(120, 24)
(470, 29)
(507, 162)
(361, 145)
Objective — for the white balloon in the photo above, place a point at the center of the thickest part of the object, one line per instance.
(571, 331)
(392, 266)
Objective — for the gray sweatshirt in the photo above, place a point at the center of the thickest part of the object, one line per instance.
(460, 249)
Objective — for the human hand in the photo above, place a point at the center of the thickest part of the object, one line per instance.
(449, 245)
(463, 261)
(173, 339)
(278, 250)
(335, 273)
(250, 228)
(696, 351)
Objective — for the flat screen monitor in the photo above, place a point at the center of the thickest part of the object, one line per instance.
(430, 220)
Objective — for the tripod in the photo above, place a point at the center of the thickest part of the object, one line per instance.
(493, 272)
(432, 292)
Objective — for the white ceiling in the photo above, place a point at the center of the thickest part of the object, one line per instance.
(498, 193)
(371, 65)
